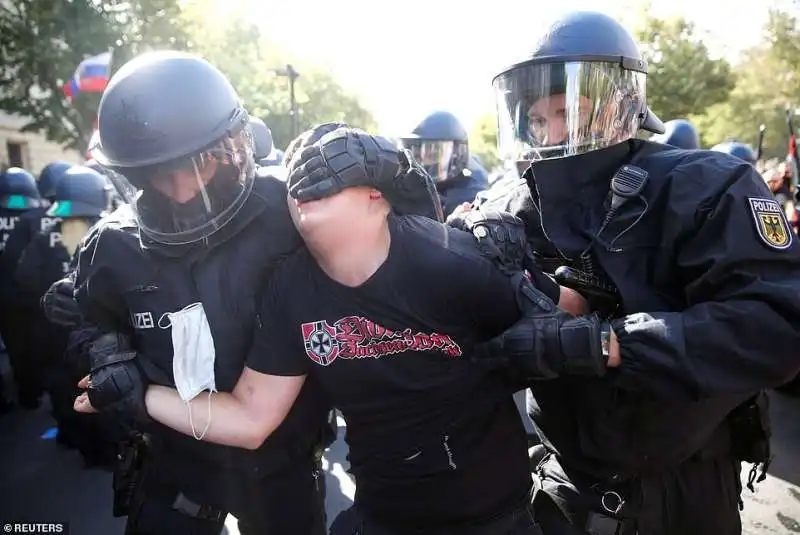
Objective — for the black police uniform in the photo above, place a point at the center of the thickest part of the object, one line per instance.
(464, 187)
(707, 272)
(19, 196)
(43, 262)
(125, 282)
(684, 254)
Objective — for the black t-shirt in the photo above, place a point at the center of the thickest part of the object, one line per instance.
(434, 438)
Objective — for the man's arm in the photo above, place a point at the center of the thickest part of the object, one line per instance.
(275, 372)
(244, 418)
(740, 265)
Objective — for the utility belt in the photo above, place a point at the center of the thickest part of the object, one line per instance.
(132, 483)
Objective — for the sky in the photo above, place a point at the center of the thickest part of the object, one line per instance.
(406, 59)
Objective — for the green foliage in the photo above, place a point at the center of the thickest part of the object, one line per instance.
(682, 78)
(767, 82)
(43, 41)
(483, 141)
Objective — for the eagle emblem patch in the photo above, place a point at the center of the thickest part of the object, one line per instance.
(771, 223)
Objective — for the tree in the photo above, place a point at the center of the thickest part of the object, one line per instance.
(483, 141)
(43, 41)
(235, 45)
(682, 78)
(768, 80)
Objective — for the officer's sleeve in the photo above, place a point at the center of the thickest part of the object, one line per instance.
(29, 272)
(96, 291)
(15, 245)
(277, 347)
(740, 266)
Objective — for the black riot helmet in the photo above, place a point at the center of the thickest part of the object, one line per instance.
(18, 190)
(440, 144)
(174, 132)
(581, 88)
(82, 192)
(49, 177)
(262, 138)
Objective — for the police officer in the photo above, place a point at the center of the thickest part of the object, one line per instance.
(441, 144)
(180, 274)
(691, 269)
(81, 198)
(18, 196)
(735, 148)
(679, 133)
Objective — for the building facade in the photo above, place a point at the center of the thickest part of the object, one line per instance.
(29, 150)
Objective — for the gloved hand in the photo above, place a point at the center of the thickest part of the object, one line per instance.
(116, 383)
(309, 137)
(547, 342)
(501, 238)
(349, 157)
(59, 304)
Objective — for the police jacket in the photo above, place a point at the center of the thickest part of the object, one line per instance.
(708, 273)
(126, 283)
(27, 225)
(460, 189)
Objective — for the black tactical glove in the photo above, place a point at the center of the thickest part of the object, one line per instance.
(59, 304)
(309, 137)
(116, 383)
(501, 238)
(547, 342)
(349, 157)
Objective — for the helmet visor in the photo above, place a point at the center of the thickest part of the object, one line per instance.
(215, 201)
(552, 110)
(441, 159)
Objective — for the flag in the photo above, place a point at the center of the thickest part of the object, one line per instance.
(91, 76)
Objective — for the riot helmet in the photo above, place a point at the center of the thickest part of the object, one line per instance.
(735, 148)
(262, 138)
(49, 177)
(440, 144)
(581, 89)
(82, 192)
(679, 133)
(18, 190)
(175, 134)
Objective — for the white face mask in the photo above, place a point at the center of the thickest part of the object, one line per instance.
(193, 358)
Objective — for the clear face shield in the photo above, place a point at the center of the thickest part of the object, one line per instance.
(441, 159)
(553, 110)
(178, 203)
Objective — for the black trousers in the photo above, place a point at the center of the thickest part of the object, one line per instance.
(521, 521)
(699, 497)
(282, 503)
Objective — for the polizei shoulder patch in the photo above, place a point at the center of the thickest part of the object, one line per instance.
(771, 223)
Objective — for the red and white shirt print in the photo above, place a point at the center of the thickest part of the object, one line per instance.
(356, 337)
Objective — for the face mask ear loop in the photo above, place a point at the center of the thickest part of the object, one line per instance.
(208, 420)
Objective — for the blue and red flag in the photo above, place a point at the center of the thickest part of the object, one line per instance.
(91, 76)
